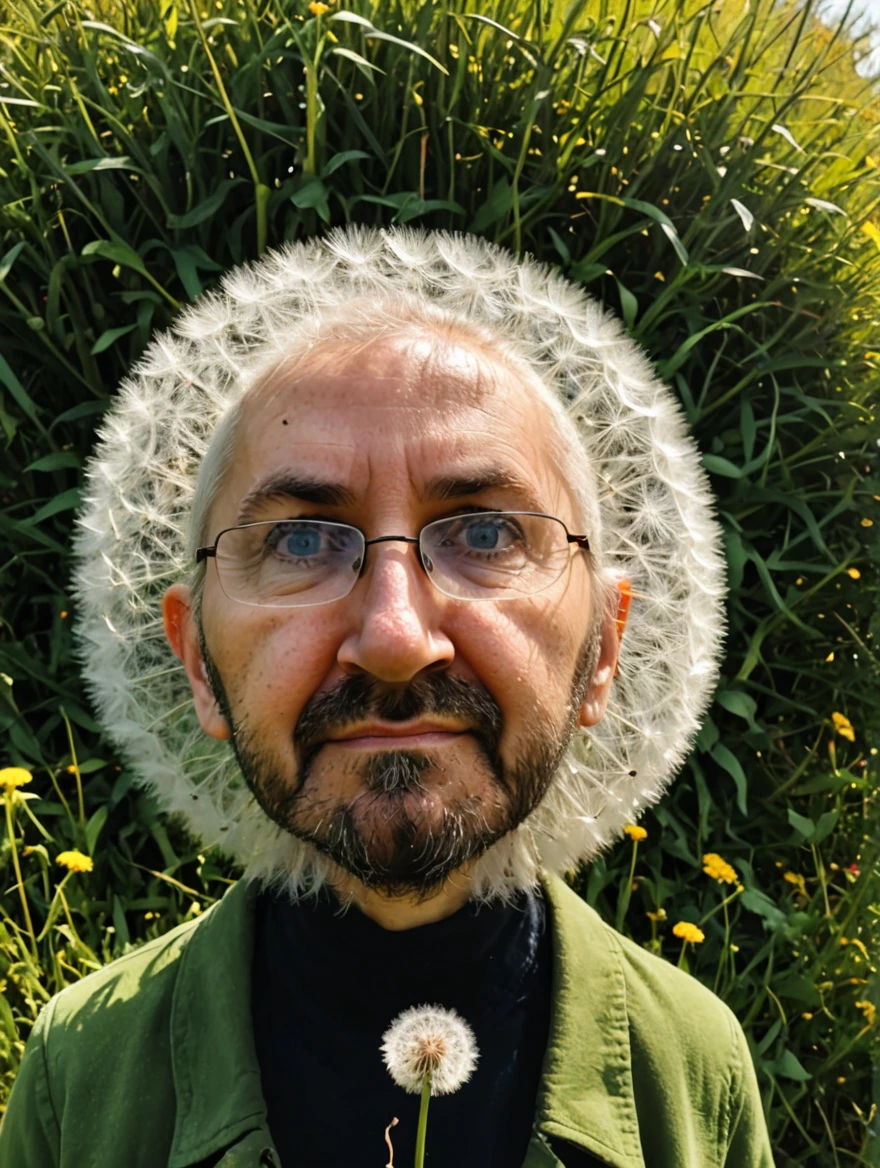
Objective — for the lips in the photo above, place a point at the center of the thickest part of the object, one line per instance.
(423, 732)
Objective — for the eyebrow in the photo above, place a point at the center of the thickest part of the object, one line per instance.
(304, 488)
(475, 482)
(308, 489)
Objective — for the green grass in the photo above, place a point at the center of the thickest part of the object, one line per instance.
(656, 153)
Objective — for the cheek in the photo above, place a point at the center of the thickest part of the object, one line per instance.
(525, 656)
(271, 663)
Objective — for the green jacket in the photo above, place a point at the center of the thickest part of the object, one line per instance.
(151, 1061)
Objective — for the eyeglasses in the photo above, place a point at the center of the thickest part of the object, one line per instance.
(488, 555)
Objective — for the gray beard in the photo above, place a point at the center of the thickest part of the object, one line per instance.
(413, 861)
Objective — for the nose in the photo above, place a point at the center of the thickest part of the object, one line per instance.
(396, 633)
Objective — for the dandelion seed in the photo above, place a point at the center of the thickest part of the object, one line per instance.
(75, 861)
(429, 1040)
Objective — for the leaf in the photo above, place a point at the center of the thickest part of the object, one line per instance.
(787, 135)
(340, 159)
(117, 251)
(758, 902)
(739, 703)
(375, 34)
(496, 206)
(742, 272)
(86, 165)
(801, 824)
(728, 760)
(721, 466)
(169, 16)
(629, 304)
(9, 259)
(17, 390)
(313, 195)
(646, 209)
(106, 339)
(790, 1067)
(824, 205)
(366, 67)
(207, 208)
(67, 501)
(744, 213)
(93, 828)
(57, 461)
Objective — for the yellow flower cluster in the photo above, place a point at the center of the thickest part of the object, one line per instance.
(718, 869)
(75, 861)
(634, 832)
(797, 880)
(843, 726)
(317, 8)
(12, 777)
(689, 932)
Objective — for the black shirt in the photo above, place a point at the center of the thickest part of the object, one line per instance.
(326, 987)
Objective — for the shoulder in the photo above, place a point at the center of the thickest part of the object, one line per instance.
(672, 1017)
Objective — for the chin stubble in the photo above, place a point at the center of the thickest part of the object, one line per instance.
(410, 857)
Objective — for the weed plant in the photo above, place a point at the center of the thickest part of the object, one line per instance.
(711, 172)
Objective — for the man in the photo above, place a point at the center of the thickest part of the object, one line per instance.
(429, 479)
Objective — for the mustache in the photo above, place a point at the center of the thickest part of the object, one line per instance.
(361, 697)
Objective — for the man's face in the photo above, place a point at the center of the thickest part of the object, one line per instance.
(397, 729)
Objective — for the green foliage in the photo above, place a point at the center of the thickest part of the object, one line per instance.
(709, 171)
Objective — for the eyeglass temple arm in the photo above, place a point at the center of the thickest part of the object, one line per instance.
(202, 553)
(581, 540)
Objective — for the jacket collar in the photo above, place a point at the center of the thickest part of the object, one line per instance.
(586, 1096)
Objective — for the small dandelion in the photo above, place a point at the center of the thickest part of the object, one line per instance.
(75, 861)
(718, 869)
(688, 932)
(843, 726)
(317, 8)
(14, 777)
(429, 1050)
(634, 832)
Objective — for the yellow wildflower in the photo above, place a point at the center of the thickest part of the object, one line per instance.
(317, 8)
(659, 915)
(869, 1010)
(854, 573)
(634, 832)
(830, 656)
(843, 726)
(689, 932)
(12, 777)
(718, 869)
(75, 861)
(660, 276)
(867, 523)
(798, 880)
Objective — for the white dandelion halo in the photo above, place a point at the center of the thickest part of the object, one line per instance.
(430, 1038)
(655, 505)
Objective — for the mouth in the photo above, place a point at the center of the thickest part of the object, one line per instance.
(396, 736)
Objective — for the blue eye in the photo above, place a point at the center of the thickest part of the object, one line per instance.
(482, 535)
(302, 543)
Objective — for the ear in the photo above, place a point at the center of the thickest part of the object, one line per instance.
(596, 698)
(180, 629)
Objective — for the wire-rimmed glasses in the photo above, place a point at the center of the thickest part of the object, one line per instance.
(486, 555)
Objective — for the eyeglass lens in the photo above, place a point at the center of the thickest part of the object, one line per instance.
(299, 562)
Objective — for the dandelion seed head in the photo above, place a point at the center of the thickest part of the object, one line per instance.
(429, 1039)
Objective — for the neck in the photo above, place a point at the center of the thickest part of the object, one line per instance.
(407, 911)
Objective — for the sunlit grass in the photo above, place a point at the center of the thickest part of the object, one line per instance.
(711, 172)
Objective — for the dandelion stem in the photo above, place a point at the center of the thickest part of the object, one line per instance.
(24, 904)
(626, 892)
(73, 759)
(422, 1129)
